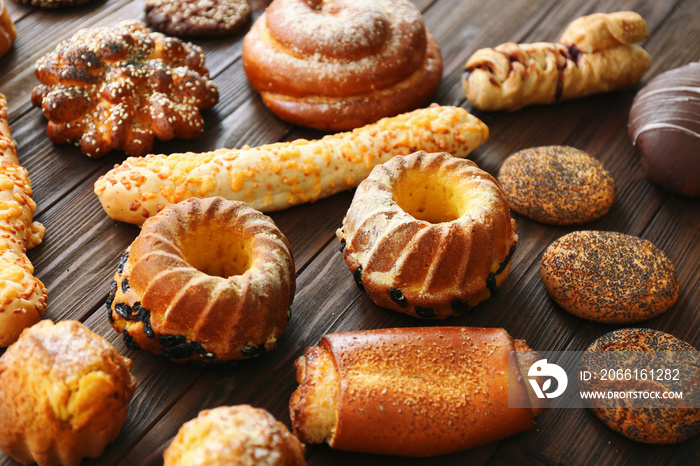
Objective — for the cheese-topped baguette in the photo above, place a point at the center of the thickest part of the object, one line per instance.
(22, 296)
(414, 391)
(280, 175)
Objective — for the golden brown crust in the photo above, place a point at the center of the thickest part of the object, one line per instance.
(609, 277)
(341, 64)
(600, 31)
(207, 280)
(512, 76)
(313, 407)
(8, 33)
(120, 87)
(647, 425)
(428, 235)
(64, 394)
(558, 185)
(277, 176)
(23, 297)
(234, 435)
(415, 391)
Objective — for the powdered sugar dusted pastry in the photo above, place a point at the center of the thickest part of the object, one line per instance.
(64, 394)
(234, 435)
(22, 296)
(277, 176)
(596, 53)
(340, 64)
(197, 18)
(8, 33)
(120, 87)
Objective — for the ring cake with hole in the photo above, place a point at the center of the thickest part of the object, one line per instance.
(206, 280)
(428, 235)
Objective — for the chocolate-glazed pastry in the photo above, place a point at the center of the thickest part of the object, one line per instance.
(664, 125)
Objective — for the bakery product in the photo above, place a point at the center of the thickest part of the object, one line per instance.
(52, 4)
(23, 297)
(558, 185)
(8, 33)
(386, 391)
(196, 18)
(64, 394)
(277, 176)
(122, 86)
(664, 126)
(596, 53)
(649, 352)
(234, 435)
(609, 277)
(428, 235)
(207, 280)
(341, 64)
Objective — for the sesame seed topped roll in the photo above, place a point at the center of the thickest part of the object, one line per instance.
(121, 87)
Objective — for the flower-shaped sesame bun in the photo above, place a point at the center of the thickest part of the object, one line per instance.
(120, 87)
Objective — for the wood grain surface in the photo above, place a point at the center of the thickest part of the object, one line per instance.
(82, 245)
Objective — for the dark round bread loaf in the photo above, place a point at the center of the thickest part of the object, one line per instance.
(664, 125)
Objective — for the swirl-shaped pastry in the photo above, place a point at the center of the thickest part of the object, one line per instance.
(340, 64)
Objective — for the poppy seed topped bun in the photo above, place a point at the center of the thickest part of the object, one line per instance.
(609, 277)
(629, 416)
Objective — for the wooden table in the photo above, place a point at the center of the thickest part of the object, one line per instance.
(82, 245)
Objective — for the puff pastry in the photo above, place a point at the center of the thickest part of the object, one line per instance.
(414, 391)
(596, 53)
(277, 176)
(22, 296)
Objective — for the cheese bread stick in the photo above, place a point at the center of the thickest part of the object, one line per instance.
(22, 296)
(280, 175)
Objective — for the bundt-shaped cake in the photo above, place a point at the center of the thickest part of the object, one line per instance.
(429, 235)
(206, 280)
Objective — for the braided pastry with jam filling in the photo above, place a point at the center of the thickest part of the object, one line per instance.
(596, 53)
